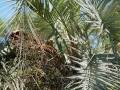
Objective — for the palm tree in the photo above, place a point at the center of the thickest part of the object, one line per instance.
(81, 30)
(96, 72)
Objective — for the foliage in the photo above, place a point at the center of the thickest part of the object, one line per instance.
(64, 40)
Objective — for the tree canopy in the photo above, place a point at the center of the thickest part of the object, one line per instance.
(77, 37)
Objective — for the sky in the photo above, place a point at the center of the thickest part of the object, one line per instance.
(6, 9)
